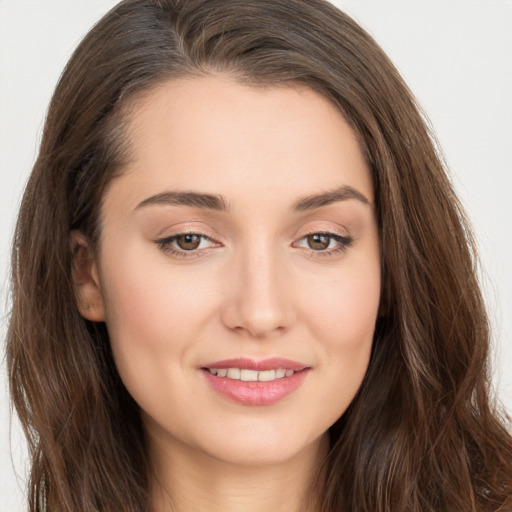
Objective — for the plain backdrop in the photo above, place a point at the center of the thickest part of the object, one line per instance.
(456, 55)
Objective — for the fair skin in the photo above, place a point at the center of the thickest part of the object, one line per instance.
(249, 279)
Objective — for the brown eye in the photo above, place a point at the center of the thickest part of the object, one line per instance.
(318, 241)
(188, 242)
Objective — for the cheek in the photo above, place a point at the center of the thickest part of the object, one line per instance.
(344, 309)
(343, 313)
(149, 302)
(152, 315)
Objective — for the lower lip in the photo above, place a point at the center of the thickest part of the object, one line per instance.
(256, 393)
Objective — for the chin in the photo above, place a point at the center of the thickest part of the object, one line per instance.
(263, 447)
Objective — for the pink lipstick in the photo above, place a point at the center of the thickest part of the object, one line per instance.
(254, 382)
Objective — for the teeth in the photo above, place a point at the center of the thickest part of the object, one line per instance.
(267, 375)
(246, 375)
(234, 373)
(249, 375)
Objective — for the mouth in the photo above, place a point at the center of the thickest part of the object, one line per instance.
(247, 375)
(255, 382)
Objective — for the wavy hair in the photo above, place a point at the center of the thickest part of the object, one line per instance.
(422, 434)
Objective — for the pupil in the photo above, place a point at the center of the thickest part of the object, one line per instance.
(318, 242)
(188, 242)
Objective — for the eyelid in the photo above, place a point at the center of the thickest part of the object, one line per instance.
(164, 243)
(344, 242)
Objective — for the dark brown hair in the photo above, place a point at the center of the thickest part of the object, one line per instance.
(422, 433)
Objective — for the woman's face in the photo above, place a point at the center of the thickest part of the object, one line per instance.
(239, 272)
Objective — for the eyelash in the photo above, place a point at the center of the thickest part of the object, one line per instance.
(344, 242)
(165, 245)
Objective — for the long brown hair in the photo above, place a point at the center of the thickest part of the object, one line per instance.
(422, 433)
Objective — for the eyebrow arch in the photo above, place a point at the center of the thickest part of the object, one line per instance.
(325, 198)
(219, 203)
(197, 199)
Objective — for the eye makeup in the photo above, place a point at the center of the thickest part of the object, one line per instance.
(191, 244)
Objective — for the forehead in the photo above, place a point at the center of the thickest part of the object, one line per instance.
(220, 136)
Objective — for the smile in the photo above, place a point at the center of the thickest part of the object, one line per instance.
(251, 382)
(247, 375)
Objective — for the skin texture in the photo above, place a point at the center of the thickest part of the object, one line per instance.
(254, 288)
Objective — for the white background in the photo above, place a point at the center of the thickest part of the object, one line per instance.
(456, 55)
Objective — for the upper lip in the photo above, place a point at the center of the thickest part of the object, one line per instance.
(258, 365)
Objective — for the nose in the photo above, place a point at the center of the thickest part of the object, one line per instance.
(260, 299)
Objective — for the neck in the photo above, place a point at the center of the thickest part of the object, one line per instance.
(186, 480)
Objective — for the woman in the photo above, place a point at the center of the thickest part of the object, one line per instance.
(242, 279)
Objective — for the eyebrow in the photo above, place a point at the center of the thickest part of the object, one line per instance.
(219, 203)
(196, 199)
(325, 198)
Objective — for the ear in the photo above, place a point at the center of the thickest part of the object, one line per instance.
(86, 282)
